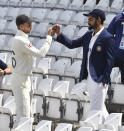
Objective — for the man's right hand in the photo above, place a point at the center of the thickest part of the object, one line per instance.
(51, 32)
(56, 28)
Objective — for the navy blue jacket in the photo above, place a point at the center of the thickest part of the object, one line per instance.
(100, 61)
(3, 65)
(116, 29)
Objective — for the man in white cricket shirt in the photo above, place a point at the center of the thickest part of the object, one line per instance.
(22, 64)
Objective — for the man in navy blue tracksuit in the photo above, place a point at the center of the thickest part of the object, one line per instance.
(116, 29)
(98, 58)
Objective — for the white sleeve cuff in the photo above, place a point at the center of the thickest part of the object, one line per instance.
(49, 38)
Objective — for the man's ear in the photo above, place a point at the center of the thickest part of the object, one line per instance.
(20, 27)
(99, 20)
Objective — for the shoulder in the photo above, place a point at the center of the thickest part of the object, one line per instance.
(108, 39)
(20, 40)
(88, 34)
(19, 43)
(118, 17)
(106, 34)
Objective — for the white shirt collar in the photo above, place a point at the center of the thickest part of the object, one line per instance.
(98, 32)
(21, 33)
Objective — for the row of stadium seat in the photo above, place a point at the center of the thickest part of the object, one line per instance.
(52, 100)
(45, 125)
(106, 5)
(49, 15)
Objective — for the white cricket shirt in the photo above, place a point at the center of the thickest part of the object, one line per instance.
(92, 41)
(24, 51)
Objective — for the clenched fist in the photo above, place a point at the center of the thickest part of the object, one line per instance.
(51, 32)
(56, 28)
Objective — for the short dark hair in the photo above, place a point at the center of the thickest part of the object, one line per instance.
(21, 19)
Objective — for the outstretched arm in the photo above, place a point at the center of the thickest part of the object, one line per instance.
(29, 49)
(61, 38)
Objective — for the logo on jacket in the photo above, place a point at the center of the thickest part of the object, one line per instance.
(29, 45)
(99, 48)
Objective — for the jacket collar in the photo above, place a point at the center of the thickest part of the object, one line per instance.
(98, 33)
(101, 36)
(21, 33)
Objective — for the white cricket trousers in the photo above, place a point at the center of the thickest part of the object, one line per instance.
(21, 87)
(97, 93)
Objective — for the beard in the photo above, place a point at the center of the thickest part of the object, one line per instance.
(94, 26)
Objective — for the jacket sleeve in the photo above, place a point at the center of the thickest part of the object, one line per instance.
(110, 55)
(3, 65)
(29, 49)
(70, 43)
